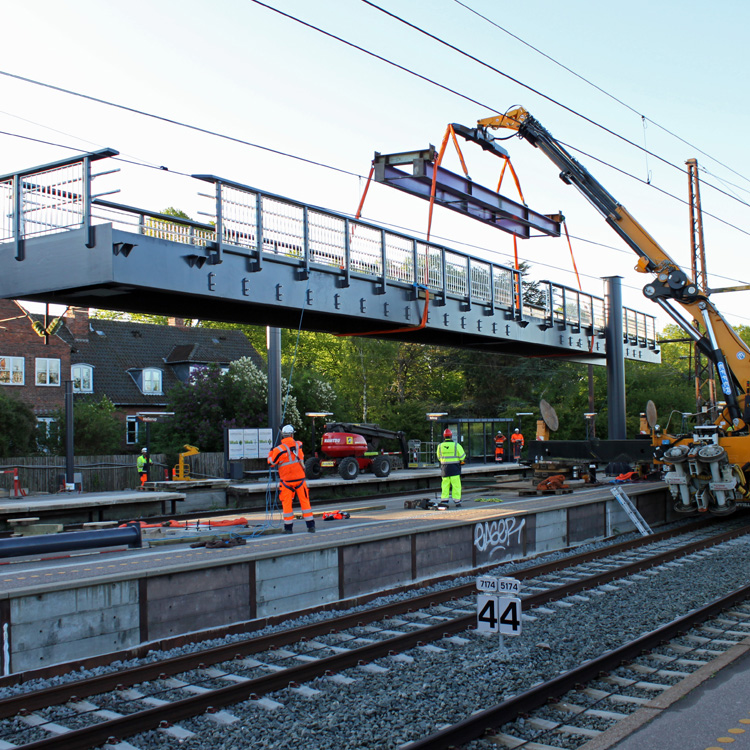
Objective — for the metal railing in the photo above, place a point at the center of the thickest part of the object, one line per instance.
(57, 197)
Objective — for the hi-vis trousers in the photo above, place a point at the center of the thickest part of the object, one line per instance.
(287, 490)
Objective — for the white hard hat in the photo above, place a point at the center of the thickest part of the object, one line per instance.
(516, 430)
(287, 429)
(144, 450)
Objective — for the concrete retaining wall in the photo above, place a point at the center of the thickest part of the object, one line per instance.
(90, 619)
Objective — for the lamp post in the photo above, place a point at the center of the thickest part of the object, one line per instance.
(312, 415)
(590, 418)
(433, 417)
(148, 417)
(520, 414)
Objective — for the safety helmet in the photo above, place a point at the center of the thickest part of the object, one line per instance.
(144, 450)
(447, 434)
(516, 430)
(499, 432)
(287, 429)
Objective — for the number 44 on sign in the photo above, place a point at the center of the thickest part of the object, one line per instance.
(499, 614)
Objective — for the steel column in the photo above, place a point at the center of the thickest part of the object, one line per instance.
(615, 360)
(273, 342)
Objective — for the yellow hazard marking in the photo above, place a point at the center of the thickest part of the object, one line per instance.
(744, 721)
(726, 739)
(736, 730)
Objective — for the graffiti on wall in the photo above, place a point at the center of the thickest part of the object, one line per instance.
(499, 535)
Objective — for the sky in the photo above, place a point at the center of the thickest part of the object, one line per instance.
(249, 73)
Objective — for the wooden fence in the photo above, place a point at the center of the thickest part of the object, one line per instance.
(42, 474)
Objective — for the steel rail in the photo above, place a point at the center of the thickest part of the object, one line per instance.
(466, 730)
(174, 665)
(485, 722)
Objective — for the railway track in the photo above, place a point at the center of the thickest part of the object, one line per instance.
(156, 696)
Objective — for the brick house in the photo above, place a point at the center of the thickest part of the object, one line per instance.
(133, 364)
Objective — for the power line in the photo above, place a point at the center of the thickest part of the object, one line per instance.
(523, 85)
(599, 88)
(171, 121)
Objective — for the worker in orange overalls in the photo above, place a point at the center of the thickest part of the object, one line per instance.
(516, 441)
(499, 447)
(290, 460)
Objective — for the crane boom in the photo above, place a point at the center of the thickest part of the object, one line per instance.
(706, 470)
(720, 343)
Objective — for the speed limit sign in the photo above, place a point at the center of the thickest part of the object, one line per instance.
(499, 614)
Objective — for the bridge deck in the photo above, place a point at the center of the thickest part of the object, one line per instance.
(268, 260)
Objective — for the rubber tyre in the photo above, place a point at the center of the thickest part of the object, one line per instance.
(312, 468)
(381, 466)
(348, 468)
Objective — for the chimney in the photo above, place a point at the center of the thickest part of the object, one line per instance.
(177, 322)
(77, 320)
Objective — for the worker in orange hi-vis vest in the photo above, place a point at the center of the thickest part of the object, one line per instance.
(290, 460)
(499, 447)
(516, 441)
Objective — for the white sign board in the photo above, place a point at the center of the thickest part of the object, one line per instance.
(493, 585)
(235, 445)
(250, 438)
(499, 614)
(265, 441)
(251, 443)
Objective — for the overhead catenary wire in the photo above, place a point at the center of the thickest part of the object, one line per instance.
(599, 88)
(241, 141)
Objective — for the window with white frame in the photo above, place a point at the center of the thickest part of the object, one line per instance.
(83, 378)
(151, 380)
(131, 430)
(44, 424)
(11, 370)
(47, 371)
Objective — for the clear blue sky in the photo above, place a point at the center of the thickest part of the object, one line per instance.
(236, 67)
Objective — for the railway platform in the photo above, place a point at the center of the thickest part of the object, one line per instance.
(122, 601)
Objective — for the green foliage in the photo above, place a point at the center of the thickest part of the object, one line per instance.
(18, 427)
(96, 429)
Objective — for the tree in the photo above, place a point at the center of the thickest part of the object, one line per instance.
(96, 429)
(18, 427)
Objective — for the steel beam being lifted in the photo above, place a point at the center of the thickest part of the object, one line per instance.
(461, 194)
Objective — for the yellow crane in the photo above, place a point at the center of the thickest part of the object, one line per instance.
(705, 468)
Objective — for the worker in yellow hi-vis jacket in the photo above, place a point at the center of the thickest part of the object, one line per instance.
(450, 455)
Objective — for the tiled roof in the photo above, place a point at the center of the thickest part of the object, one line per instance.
(115, 348)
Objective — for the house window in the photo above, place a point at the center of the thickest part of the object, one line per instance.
(83, 378)
(131, 430)
(47, 371)
(11, 371)
(151, 380)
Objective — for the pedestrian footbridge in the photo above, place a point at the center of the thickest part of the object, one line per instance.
(264, 259)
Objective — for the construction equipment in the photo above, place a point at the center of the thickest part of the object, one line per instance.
(350, 448)
(705, 469)
(181, 471)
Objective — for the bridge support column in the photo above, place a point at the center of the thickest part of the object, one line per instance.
(273, 343)
(615, 361)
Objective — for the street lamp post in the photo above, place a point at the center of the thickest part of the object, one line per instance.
(433, 417)
(590, 418)
(312, 415)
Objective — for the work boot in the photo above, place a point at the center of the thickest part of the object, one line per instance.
(311, 527)
(287, 528)
(457, 503)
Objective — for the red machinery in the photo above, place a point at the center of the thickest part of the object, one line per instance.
(345, 447)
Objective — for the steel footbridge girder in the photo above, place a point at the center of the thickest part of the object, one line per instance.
(269, 260)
